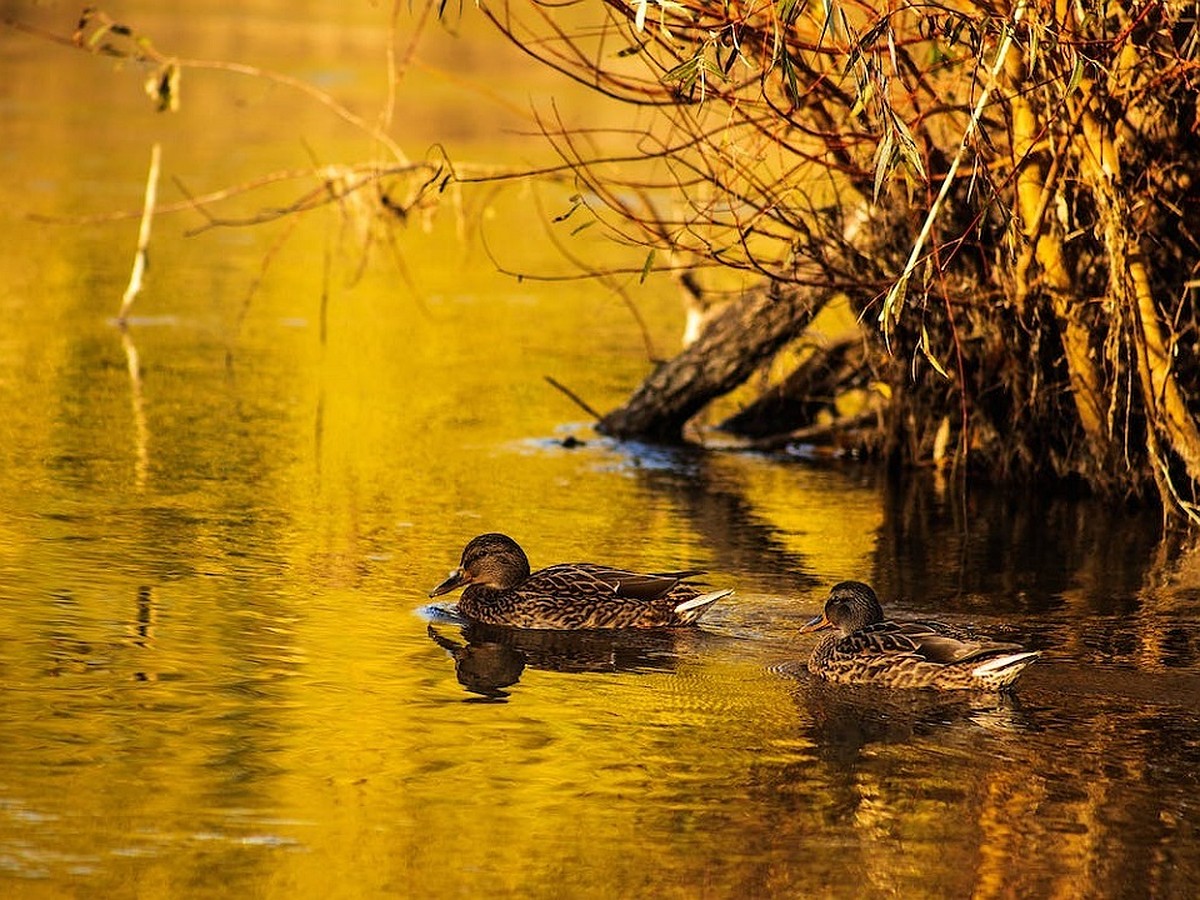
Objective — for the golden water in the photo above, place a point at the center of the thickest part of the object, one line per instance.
(219, 676)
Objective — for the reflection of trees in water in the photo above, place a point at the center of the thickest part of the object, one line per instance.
(991, 796)
(737, 535)
(1111, 810)
(1066, 575)
(1097, 585)
(1020, 548)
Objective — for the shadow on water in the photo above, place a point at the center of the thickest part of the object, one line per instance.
(739, 536)
(844, 721)
(490, 658)
(1021, 548)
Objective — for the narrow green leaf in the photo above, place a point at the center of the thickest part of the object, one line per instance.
(646, 266)
(933, 360)
(1076, 75)
(96, 37)
(789, 77)
(908, 147)
(576, 202)
(893, 304)
(883, 162)
(829, 24)
(684, 72)
(789, 10)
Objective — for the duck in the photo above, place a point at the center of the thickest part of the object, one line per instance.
(499, 589)
(867, 649)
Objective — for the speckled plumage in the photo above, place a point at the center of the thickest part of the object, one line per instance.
(866, 649)
(501, 590)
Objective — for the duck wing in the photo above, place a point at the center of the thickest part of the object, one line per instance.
(591, 581)
(606, 581)
(930, 641)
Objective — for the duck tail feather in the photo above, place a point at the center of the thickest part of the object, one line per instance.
(1009, 663)
(692, 609)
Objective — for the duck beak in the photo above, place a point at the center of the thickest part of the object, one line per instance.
(816, 623)
(456, 578)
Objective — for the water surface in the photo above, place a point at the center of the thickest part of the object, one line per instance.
(220, 673)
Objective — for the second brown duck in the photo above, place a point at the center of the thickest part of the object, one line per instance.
(867, 649)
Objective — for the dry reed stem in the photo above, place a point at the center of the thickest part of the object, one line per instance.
(139, 258)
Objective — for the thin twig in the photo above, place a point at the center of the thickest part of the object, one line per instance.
(579, 401)
(264, 266)
(397, 68)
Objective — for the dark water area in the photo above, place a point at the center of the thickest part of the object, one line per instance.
(221, 672)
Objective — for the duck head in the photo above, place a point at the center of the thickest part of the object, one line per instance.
(851, 606)
(492, 560)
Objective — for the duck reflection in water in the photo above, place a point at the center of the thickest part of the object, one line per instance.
(485, 668)
(491, 658)
(501, 590)
(844, 720)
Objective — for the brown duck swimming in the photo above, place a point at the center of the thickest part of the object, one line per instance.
(868, 650)
(501, 591)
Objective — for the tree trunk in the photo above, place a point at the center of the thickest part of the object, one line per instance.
(733, 345)
(797, 400)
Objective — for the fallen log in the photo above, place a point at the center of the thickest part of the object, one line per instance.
(796, 401)
(729, 350)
